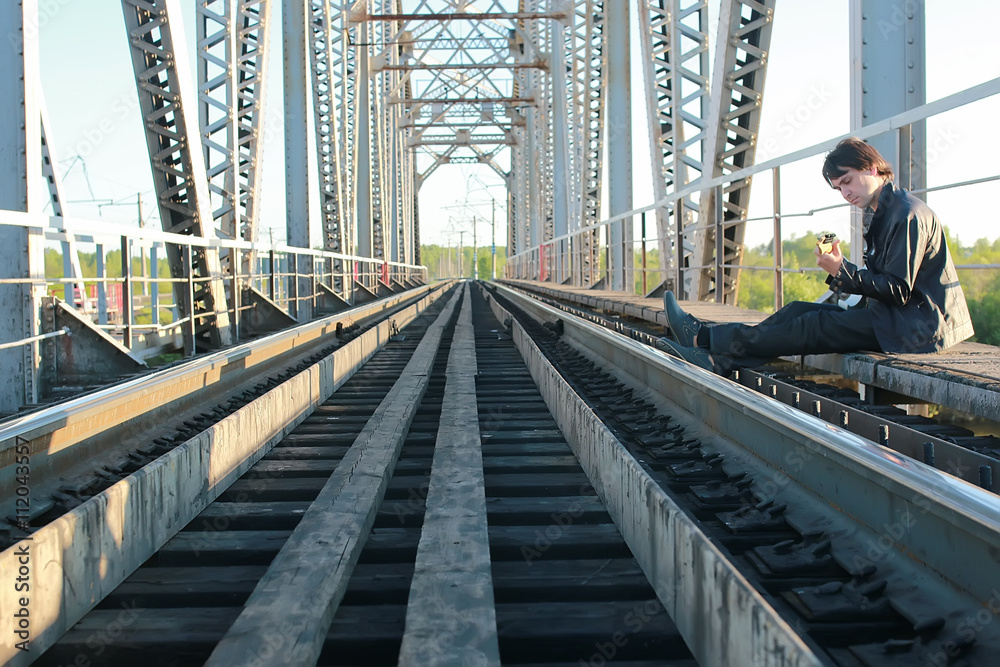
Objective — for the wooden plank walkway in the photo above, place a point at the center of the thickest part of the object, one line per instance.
(965, 377)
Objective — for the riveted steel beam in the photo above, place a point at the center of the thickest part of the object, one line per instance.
(742, 49)
(674, 42)
(160, 63)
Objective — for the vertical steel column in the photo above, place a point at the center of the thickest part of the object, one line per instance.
(674, 45)
(560, 150)
(373, 88)
(253, 50)
(888, 76)
(533, 221)
(587, 151)
(327, 93)
(363, 147)
(619, 133)
(216, 37)
(294, 20)
(102, 287)
(20, 157)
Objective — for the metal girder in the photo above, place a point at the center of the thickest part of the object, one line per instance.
(621, 258)
(20, 156)
(379, 36)
(216, 24)
(392, 78)
(232, 67)
(743, 44)
(327, 105)
(343, 65)
(588, 86)
(461, 16)
(252, 30)
(459, 72)
(888, 76)
(177, 163)
(674, 43)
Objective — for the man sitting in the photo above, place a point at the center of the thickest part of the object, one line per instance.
(914, 300)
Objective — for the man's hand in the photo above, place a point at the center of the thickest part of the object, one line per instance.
(830, 261)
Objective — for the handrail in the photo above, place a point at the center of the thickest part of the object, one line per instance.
(65, 331)
(55, 226)
(954, 101)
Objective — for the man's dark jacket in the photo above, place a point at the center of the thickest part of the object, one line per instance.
(912, 287)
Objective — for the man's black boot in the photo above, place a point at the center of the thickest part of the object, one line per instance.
(683, 327)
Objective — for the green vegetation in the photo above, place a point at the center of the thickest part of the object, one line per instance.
(113, 270)
(756, 289)
(442, 262)
(981, 286)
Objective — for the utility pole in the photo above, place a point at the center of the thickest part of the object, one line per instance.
(461, 252)
(475, 249)
(142, 251)
(493, 240)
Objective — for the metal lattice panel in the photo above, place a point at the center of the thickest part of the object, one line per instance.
(588, 68)
(737, 91)
(252, 30)
(343, 65)
(326, 107)
(378, 37)
(232, 64)
(216, 24)
(456, 58)
(178, 166)
(674, 45)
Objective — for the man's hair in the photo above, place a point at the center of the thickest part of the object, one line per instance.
(853, 153)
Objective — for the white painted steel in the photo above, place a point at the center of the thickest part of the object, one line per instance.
(295, 18)
(364, 161)
(75, 433)
(328, 94)
(89, 551)
(724, 620)
(742, 47)
(673, 36)
(20, 161)
(561, 186)
(969, 95)
(619, 135)
(935, 534)
(162, 73)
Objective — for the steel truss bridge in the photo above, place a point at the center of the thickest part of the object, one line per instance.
(378, 95)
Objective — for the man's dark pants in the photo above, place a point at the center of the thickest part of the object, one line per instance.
(801, 327)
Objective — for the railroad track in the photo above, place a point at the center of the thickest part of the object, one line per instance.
(505, 484)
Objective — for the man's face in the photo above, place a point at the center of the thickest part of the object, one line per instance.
(859, 187)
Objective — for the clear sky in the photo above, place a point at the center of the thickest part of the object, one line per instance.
(97, 133)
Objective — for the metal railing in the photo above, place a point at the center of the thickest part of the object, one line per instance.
(128, 286)
(535, 263)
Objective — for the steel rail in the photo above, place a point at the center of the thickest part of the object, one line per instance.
(932, 536)
(83, 433)
(85, 553)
